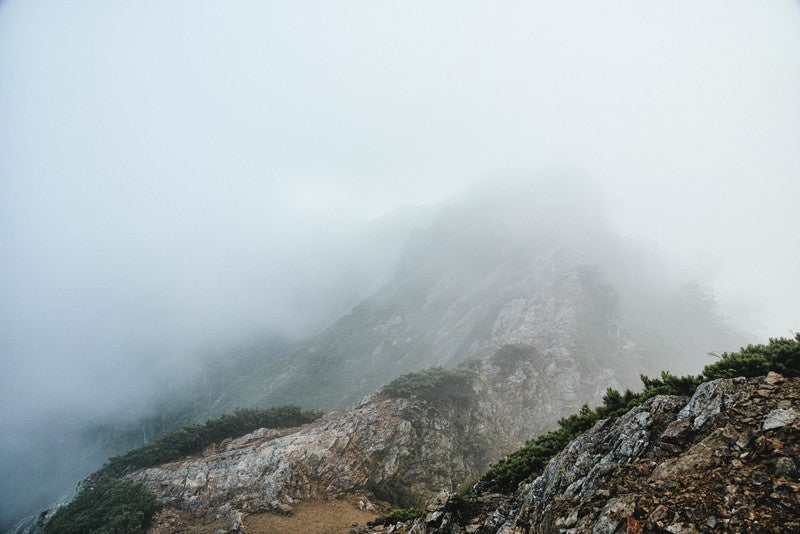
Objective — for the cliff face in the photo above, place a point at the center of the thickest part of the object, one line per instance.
(381, 446)
(726, 460)
(389, 445)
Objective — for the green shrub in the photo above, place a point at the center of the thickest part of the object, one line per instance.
(397, 515)
(436, 385)
(669, 384)
(395, 491)
(508, 357)
(195, 438)
(781, 355)
(105, 504)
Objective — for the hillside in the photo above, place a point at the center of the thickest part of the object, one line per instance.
(526, 289)
(531, 265)
(724, 459)
(422, 433)
(724, 455)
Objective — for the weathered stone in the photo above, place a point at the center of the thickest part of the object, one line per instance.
(603, 481)
(681, 528)
(634, 526)
(659, 514)
(779, 417)
(379, 440)
(613, 513)
(599, 472)
(434, 516)
(773, 378)
(676, 431)
(569, 521)
(709, 400)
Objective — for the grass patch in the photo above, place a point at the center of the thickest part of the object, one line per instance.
(397, 515)
(436, 385)
(395, 491)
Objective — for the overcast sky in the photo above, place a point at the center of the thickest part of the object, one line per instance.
(176, 172)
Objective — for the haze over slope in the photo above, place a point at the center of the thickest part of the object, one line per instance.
(516, 262)
(175, 179)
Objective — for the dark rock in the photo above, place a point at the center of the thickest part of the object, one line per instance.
(785, 466)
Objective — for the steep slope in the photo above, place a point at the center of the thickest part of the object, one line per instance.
(536, 265)
(515, 267)
(726, 460)
(421, 434)
(370, 445)
(528, 268)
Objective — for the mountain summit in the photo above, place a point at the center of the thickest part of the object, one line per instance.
(533, 264)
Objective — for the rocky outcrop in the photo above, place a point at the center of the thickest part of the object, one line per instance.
(724, 461)
(522, 391)
(381, 445)
(389, 446)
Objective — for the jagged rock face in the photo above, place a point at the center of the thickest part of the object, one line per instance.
(422, 445)
(523, 391)
(575, 480)
(726, 461)
(715, 464)
(381, 441)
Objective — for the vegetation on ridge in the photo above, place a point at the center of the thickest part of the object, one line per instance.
(436, 384)
(194, 438)
(107, 503)
(397, 515)
(781, 355)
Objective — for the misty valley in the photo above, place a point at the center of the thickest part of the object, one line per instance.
(508, 316)
(369, 267)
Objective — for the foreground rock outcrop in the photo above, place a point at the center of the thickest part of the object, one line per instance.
(725, 460)
(383, 442)
(418, 436)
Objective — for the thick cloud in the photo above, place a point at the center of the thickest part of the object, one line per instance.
(184, 174)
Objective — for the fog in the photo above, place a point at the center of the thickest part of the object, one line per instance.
(176, 177)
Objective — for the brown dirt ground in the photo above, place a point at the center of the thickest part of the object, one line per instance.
(311, 517)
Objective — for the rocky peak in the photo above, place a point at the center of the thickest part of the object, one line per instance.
(376, 443)
(726, 460)
(421, 434)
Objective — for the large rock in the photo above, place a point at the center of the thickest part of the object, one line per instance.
(380, 441)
